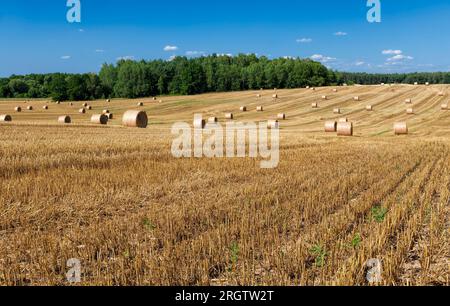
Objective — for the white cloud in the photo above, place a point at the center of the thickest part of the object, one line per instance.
(360, 63)
(340, 33)
(304, 40)
(66, 57)
(172, 58)
(170, 48)
(195, 53)
(225, 54)
(81, 30)
(321, 58)
(99, 50)
(125, 58)
(392, 52)
(400, 57)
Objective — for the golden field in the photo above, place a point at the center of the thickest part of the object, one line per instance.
(116, 199)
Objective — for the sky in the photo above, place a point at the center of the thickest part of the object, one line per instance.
(36, 36)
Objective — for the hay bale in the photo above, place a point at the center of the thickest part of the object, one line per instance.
(30, 108)
(335, 90)
(369, 108)
(314, 105)
(17, 109)
(5, 118)
(337, 110)
(105, 111)
(342, 120)
(344, 129)
(199, 123)
(258, 95)
(89, 107)
(400, 128)
(281, 116)
(410, 111)
(82, 111)
(275, 96)
(213, 120)
(64, 119)
(356, 98)
(444, 107)
(45, 107)
(140, 104)
(154, 98)
(408, 101)
(324, 97)
(70, 104)
(108, 100)
(160, 101)
(441, 94)
(243, 108)
(416, 83)
(229, 116)
(273, 124)
(58, 102)
(330, 126)
(109, 115)
(84, 104)
(135, 118)
(427, 83)
(259, 109)
(307, 87)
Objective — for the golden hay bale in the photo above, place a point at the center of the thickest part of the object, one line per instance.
(213, 120)
(427, 83)
(314, 105)
(18, 109)
(275, 96)
(108, 100)
(400, 128)
(337, 110)
(89, 107)
(410, 111)
(135, 118)
(82, 111)
(70, 104)
(416, 83)
(330, 126)
(259, 109)
(281, 116)
(99, 119)
(109, 115)
(58, 102)
(160, 101)
(356, 98)
(5, 118)
(441, 94)
(444, 107)
(335, 90)
(243, 108)
(140, 104)
(258, 96)
(154, 98)
(273, 124)
(30, 108)
(344, 129)
(342, 120)
(45, 107)
(324, 97)
(64, 119)
(199, 123)
(229, 116)
(84, 104)
(105, 111)
(408, 101)
(369, 108)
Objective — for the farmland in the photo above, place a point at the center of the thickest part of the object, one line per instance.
(117, 200)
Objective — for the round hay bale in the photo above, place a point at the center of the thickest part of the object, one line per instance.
(330, 126)
(416, 83)
(408, 101)
(199, 123)
(314, 105)
(356, 98)
(70, 104)
(108, 100)
(273, 124)
(140, 104)
(335, 90)
(307, 87)
(109, 115)
(135, 118)
(344, 129)
(275, 96)
(82, 111)
(45, 107)
(229, 116)
(410, 111)
(105, 111)
(369, 108)
(259, 108)
(84, 104)
(281, 116)
(154, 98)
(64, 119)
(89, 107)
(400, 128)
(58, 102)
(324, 97)
(441, 94)
(213, 120)
(17, 109)
(99, 119)
(342, 120)
(30, 108)
(243, 108)
(160, 101)
(5, 118)
(337, 110)
(313, 88)
(444, 107)
(427, 83)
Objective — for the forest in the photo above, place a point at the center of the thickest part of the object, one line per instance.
(187, 76)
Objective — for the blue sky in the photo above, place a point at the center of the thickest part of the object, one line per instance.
(36, 37)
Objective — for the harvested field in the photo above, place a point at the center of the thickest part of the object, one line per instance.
(116, 199)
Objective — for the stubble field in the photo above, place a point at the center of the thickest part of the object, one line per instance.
(116, 199)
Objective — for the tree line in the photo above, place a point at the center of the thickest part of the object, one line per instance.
(184, 76)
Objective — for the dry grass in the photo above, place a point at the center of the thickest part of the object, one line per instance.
(116, 199)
